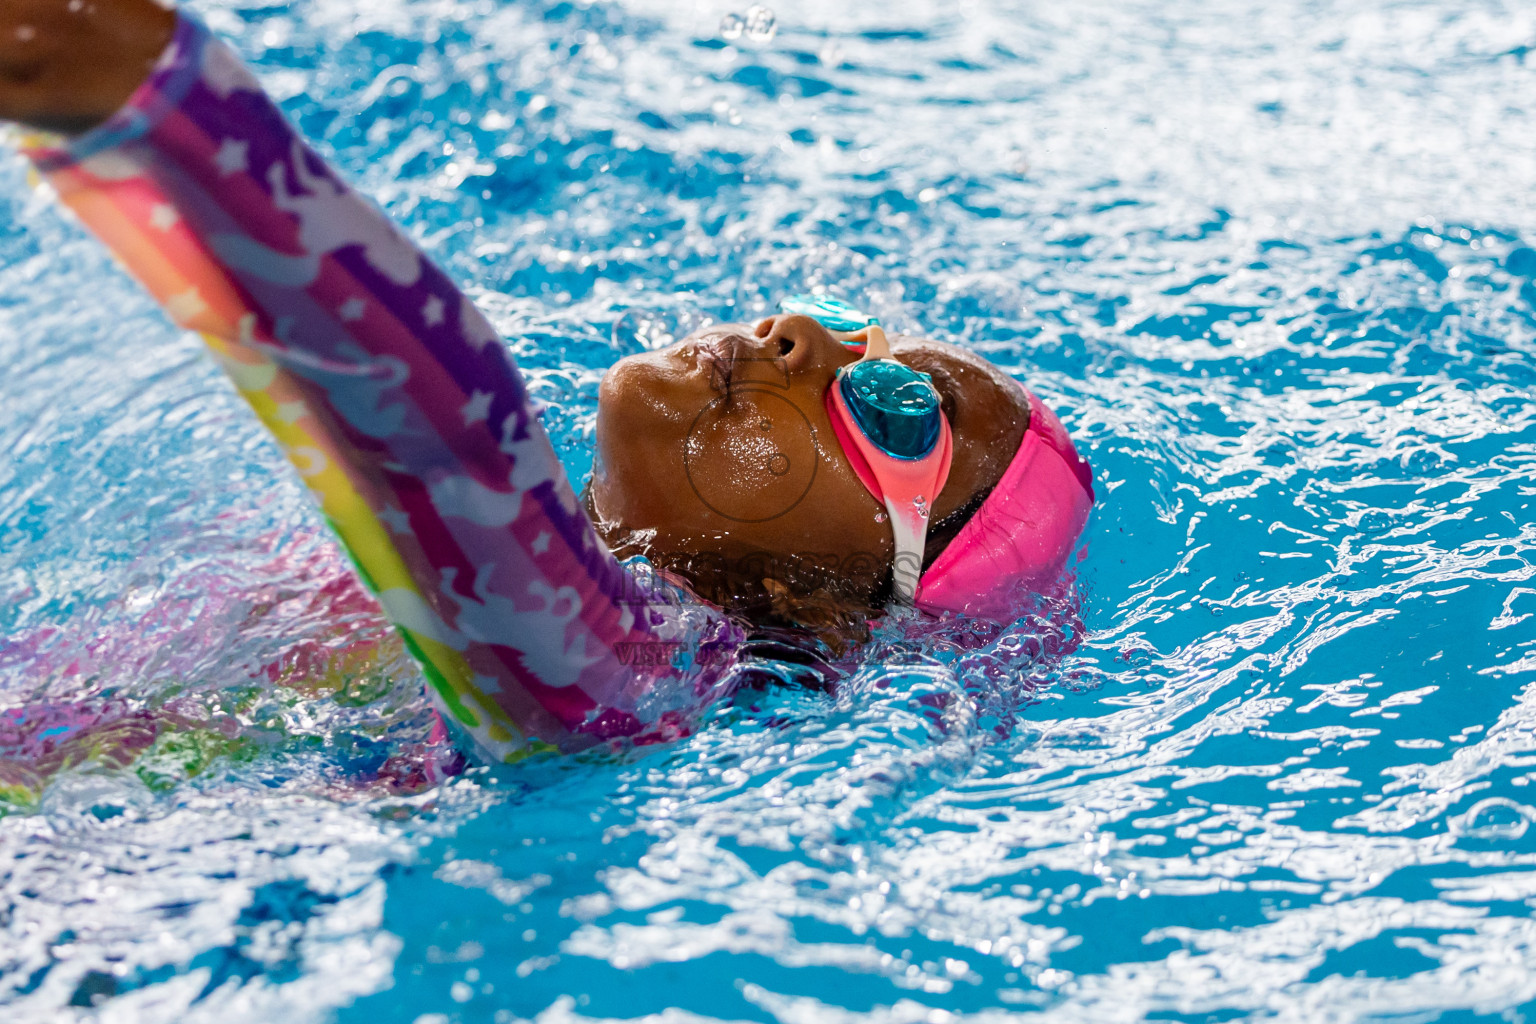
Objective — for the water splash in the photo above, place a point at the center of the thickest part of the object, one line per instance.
(1272, 753)
(761, 23)
(758, 25)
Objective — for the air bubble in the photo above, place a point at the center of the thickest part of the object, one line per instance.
(761, 23)
(732, 26)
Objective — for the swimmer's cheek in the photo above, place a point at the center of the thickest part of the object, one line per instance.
(641, 393)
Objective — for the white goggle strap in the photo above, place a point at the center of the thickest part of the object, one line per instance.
(909, 519)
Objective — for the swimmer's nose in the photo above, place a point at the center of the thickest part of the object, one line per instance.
(798, 340)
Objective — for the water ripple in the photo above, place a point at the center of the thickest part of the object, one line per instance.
(1270, 757)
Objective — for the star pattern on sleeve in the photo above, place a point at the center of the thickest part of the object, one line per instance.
(233, 157)
(478, 408)
(292, 412)
(184, 307)
(396, 520)
(164, 217)
(433, 311)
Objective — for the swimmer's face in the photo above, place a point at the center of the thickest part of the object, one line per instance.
(717, 460)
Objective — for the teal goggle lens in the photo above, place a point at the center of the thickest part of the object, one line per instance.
(896, 407)
(833, 314)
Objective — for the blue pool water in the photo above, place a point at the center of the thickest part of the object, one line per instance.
(1276, 263)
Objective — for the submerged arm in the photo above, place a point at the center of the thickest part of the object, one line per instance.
(394, 399)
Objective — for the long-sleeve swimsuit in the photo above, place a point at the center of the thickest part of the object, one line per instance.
(400, 408)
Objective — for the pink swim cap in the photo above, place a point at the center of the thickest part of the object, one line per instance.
(1020, 538)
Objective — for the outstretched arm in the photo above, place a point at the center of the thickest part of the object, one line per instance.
(387, 388)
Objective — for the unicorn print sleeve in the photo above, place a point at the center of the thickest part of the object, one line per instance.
(398, 406)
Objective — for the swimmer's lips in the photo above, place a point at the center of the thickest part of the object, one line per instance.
(720, 362)
(750, 424)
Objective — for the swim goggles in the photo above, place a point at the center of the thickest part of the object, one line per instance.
(889, 421)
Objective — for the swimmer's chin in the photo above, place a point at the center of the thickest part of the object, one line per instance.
(835, 619)
(624, 543)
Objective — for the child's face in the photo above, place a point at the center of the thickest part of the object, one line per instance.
(716, 458)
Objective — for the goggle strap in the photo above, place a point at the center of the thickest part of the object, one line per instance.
(842, 426)
(914, 485)
(876, 345)
(908, 480)
(910, 531)
(870, 342)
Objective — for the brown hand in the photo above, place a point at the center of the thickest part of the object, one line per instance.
(68, 65)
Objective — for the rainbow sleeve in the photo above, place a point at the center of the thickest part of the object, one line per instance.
(399, 407)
